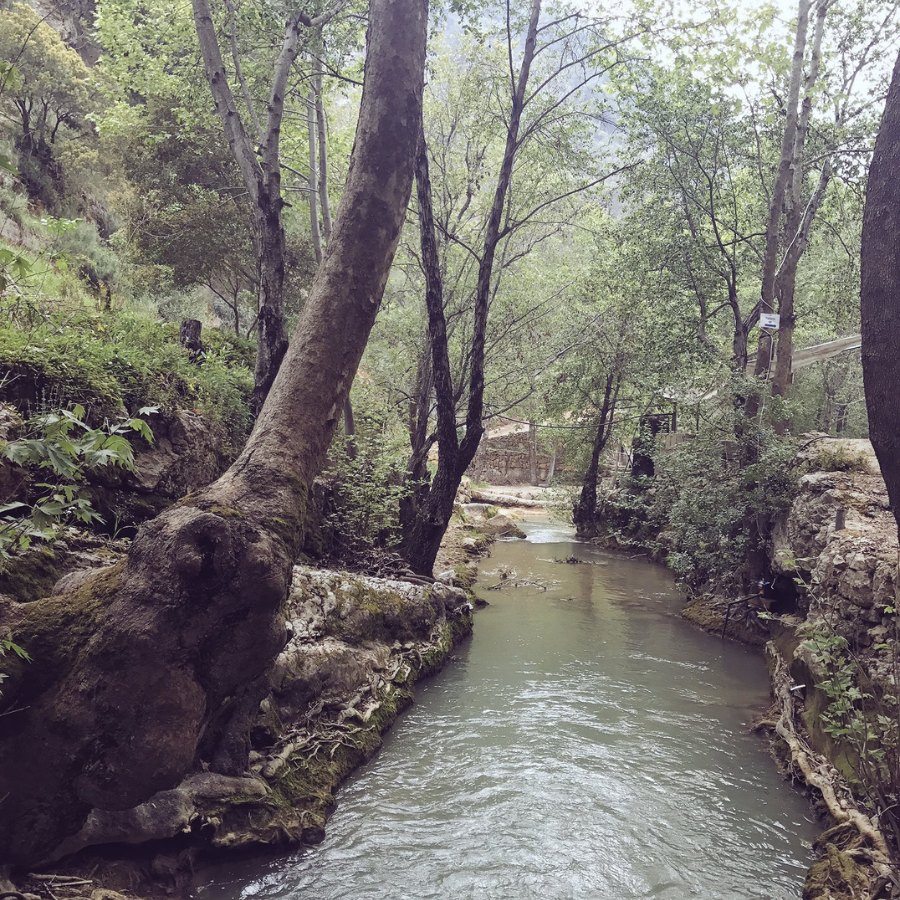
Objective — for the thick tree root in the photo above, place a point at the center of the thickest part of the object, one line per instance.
(817, 773)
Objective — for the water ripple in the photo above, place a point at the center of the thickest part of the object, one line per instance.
(592, 749)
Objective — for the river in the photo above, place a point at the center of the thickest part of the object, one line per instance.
(586, 744)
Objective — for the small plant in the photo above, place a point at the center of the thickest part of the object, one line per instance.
(60, 447)
(368, 488)
(7, 646)
(862, 716)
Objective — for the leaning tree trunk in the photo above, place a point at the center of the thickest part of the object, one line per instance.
(880, 295)
(585, 510)
(156, 667)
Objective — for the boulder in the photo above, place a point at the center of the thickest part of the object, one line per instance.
(501, 526)
(355, 647)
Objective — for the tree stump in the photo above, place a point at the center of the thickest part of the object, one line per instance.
(189, 335)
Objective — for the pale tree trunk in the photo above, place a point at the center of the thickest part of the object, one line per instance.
(880, 295)
(423, 539)
(798, 221)
(156, 668)
(312, 130)
(779, 191)
(322, 136)
(551, 469)
(532, 453)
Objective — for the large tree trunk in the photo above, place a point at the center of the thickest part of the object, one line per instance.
(776, 203)
(155, 668)
(880, 295)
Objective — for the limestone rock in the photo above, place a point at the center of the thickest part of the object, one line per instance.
(355, 646)
(501, 526)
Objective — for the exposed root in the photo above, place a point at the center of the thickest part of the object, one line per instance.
(326, 733)
(819, 774)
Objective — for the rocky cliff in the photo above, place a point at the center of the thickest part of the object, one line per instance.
(831, 641)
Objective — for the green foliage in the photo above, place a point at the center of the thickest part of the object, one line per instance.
(48, 92)
(367, 489)
(837, 459)
(123, 360)
(7, 646)
(863, 720)
(706, 510)
(709, 501)
(58, 450)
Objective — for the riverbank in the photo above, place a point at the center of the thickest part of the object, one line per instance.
(827, 626)
(586, 742)
(348, 650)
(357, 647)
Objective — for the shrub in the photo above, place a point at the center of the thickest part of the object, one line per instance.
(367, 487)
(58, 450)
(829, 458)
(710, 512)
(719, 513)
(121, 361)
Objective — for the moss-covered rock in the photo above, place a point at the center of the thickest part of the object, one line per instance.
(30, 576)
(836, 877)
(53, 631)
(358, 646)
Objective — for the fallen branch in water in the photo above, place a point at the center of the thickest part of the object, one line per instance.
(505, 500)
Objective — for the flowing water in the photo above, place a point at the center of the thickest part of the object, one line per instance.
(587, 744)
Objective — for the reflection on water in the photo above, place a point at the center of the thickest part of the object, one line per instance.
(587, 745)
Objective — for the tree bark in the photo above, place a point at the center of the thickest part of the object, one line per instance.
(318, 202)
(779, 190)
(423, 539)
(586, 509)
(155, 668)
(880, 295)
(189, 335)
(420, 443)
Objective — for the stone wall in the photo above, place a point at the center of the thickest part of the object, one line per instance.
(840, 537)
(506, 459)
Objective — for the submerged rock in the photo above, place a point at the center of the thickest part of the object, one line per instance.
(501, 526)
